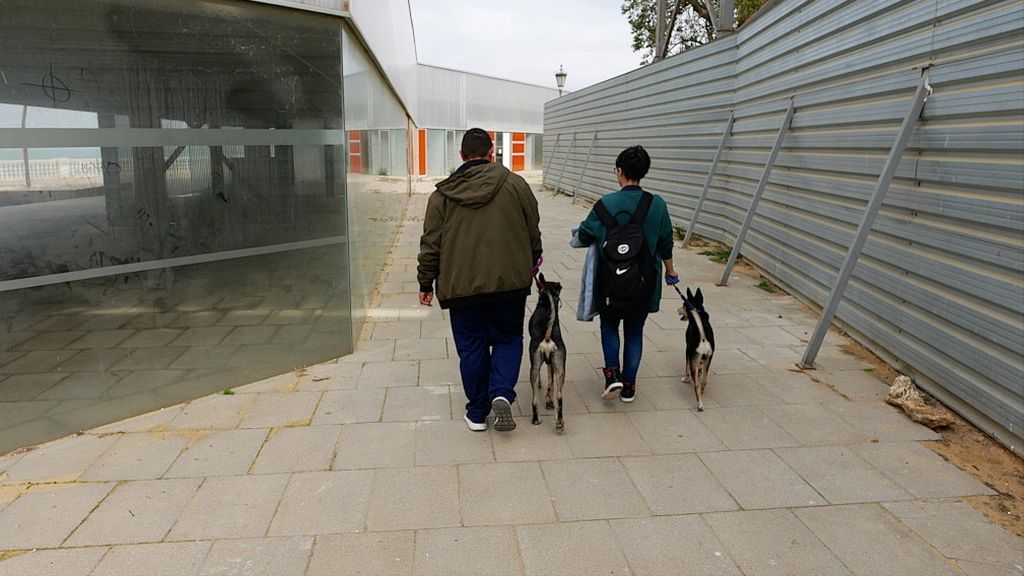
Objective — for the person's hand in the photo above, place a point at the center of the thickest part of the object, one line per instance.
(426, 298)
(671, 277)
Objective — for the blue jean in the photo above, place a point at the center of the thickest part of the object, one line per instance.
(633, 331)
(489, 338)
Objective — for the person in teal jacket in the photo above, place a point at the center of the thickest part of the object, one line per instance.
(631, 166)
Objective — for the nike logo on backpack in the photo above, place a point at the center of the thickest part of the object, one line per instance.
(621, 271)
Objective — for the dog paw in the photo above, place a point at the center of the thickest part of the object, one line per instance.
(700, 408)
(535, 421)
(559, 427)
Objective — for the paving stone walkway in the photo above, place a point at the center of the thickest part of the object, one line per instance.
(364, 465)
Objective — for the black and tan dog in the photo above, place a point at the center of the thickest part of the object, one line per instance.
(547, 347)
(700, 343)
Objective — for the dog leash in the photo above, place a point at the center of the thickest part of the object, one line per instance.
(674, 282)
(536, 274)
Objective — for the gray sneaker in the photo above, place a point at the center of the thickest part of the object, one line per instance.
(503, 421)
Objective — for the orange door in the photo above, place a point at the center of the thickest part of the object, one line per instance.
(518, 151)
(423, 152)
(355, 152)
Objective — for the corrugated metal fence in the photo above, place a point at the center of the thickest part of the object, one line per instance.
(937, 289)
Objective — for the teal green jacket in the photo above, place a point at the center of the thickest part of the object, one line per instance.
(657, 229)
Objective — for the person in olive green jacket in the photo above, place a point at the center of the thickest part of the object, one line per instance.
(480, 250)
(631, 166)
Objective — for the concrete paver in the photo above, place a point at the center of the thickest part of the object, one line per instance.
(447, 443)
(136, 512)
(920, 471)
(230, 507)
(323, 503)
(303, 449)
(349, 406)
(220, 453)
(420, 497)
(813, 424)
(477, 551)
(675, 431)
(281, 409)
(745, 428)
(504, 493)
(166, 559)
(137, 457)
(571, 549)
(870, 541)
(596, 435)
(592, 488)
(840, 475)
(44, 517)
(64, 460)
(375, 445)
(959, 531)
(50, 562)
(673, 546)
(677, 484)
(390, 374)
(258, 557)
(363, 465)
(760, 479)
(773, 542)
(428, 403)
(383, 553)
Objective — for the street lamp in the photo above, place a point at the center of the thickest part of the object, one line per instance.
(560, 78)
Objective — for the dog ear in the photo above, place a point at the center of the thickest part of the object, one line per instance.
(541, 278)
(556, 287)
(689, 295)
(698, 298)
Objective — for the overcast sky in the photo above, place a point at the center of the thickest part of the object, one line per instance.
(526, 40)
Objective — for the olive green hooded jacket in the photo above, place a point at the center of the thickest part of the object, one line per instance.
(481, 236)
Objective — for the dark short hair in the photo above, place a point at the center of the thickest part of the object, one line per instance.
(476, 143)
(634, 162)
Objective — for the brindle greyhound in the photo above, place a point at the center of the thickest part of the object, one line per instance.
(547, 347)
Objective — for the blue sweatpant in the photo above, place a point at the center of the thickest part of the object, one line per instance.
(489, 338)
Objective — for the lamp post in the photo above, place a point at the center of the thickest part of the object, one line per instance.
(560, 78)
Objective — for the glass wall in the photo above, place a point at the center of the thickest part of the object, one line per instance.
(534, 151)
(191, 235)
(377, 133)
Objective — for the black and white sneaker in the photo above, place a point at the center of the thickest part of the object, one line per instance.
(612, 383)
(628, 393)
(503, 421)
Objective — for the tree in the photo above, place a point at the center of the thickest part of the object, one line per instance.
(689, 23)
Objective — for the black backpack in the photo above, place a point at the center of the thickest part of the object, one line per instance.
(627, 272)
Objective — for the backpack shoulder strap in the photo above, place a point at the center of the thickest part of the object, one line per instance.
(606, 217)
(642, 208)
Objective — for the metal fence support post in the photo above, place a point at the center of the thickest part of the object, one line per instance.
(756, 198)
(554, 149)
(585, 164)
(707, 181)
(558, 185)
(867, 220)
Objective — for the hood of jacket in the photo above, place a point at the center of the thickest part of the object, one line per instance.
(475, 186)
